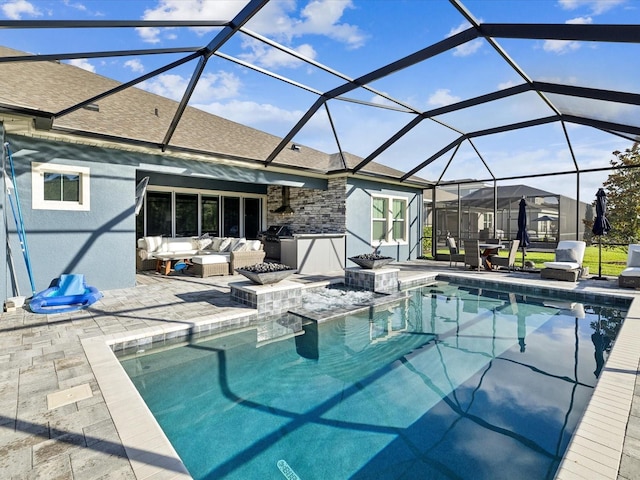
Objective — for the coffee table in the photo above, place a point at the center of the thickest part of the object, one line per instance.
(163, 261)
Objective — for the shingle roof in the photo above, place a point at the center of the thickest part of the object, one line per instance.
(137, 115)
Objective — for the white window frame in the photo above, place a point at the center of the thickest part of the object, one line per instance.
(38, 171)
(389, 240)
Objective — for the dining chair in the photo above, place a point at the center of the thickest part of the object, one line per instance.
(454, 254)
(508, 261)
(472, 254)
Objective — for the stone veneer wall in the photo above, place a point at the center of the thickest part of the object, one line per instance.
(315, 211)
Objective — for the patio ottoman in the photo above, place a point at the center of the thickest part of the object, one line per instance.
(208, 264)
(630, 278)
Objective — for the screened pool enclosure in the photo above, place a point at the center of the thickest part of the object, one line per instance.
(481, 103)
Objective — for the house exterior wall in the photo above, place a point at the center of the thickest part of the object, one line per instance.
(100, 243)
(315, 210)
(358, 216)
(96, 243)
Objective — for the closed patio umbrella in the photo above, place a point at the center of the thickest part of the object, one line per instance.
(522, 234)
(601, 226)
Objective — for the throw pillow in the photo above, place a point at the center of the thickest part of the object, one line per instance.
(568, 255)
(224, 245)
(200, 243)
(215, 244)
(634, 258)
(255, 245)
(240, 245)
(232, 244)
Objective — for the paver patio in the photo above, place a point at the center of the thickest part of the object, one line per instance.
(55, 422)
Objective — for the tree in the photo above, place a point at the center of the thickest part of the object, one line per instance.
(623, 196)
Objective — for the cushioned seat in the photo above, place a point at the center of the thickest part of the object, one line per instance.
(568, 262)
(630, 276)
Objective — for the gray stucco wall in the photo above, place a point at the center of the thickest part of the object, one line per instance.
(100, 243)
(97, 243)
(359, 193)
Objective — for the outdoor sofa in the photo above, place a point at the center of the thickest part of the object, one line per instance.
(630, 276)
(208, 256)
(568, 262)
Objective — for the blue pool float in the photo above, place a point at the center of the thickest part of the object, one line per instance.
(66, 294)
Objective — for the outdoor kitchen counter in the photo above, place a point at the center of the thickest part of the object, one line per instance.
(314, 253)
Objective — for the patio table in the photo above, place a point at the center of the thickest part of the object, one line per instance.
(163, 264)
(489, 249)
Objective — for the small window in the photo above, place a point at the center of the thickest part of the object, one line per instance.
(388, 220)
(59, 187)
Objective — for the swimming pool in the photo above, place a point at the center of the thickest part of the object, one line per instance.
(444, 381)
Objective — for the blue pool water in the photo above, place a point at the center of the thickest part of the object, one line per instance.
(443, 381)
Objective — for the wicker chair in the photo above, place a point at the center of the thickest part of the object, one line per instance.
(454, 254)
(567, 269)
(630, 276)
(508, 261)
(472, 254)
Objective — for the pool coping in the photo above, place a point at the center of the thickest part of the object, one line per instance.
(595, 450)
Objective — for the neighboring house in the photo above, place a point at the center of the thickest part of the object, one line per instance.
(550, 216)
(77, 173)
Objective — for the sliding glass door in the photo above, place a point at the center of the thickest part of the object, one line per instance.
(185, 214)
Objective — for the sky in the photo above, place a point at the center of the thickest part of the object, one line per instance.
(353, 37)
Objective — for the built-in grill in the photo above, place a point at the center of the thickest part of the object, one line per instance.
(271, 240)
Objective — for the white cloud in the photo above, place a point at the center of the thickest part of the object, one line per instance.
(186, 10)
(468, 48)
(15, 9)
(322, 17)
(259, 115)
(596, 6)
(211, 87)
(580, 21)
(276, 19)
(77, 6)
(149, 34)
(560, 46)
(135, 65)
(268, 57)
(83, 63)
(566, 46)
(507, 84)
(442, 97)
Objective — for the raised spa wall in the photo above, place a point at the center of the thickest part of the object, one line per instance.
(280, 297)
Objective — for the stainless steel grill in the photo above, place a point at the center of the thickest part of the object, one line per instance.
(271, 240)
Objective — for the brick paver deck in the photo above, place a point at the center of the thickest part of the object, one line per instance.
(57, 423)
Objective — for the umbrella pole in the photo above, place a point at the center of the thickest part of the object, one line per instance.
(599, 277)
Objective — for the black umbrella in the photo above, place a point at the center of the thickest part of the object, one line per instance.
(522, 234)
(601, 226)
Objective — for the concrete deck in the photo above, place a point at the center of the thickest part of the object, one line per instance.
(67, 410)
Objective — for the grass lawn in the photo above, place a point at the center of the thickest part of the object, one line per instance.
(614, 259)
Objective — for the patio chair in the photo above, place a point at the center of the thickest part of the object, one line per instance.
(508, 261)
(568, 263)
(454, 254)
(630, 276)
(472, 254)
